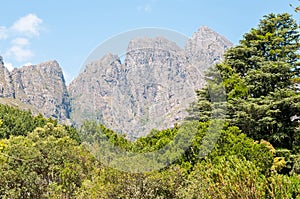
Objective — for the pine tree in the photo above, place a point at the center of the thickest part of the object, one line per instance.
(258, 76)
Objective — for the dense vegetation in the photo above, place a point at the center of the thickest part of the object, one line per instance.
(256, 155)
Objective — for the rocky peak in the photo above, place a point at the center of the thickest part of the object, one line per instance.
(43, 86)
(105, 61)
(146, 51)
(204, 38)
(92, 91)
(151, 89)
(206, 47)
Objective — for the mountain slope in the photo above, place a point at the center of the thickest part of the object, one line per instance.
(151, 89)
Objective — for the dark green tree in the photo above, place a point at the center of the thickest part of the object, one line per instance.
(16, 122)
(259, 78)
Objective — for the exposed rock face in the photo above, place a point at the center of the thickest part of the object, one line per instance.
(92, 92)
(206, 48)
(6, 86)
(41, 86)
(151, 89)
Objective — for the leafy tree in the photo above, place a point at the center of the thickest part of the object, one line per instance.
(111, 183)
(16, 122)
(47, 163)
(232, 177)
(258, 78)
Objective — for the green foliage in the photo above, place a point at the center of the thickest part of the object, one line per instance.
(155, 140)
(231, 177)
(278, 164)
(15, 122)
(44, 164)
(268, 63)
(258, 76)
(18, 122)
(110, 183)
(282, 186)
(234, 177)
(296, 166)
(231, 143)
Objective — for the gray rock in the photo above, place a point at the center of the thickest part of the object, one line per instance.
(39, 86)
(152, 88)
(6, 86)
(43, 86)
(92, 91)
(206, 48)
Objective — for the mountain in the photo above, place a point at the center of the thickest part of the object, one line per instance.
(41, 87)
(151, 89)
(206, 47)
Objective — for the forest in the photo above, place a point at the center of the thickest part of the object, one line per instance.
(255, 153)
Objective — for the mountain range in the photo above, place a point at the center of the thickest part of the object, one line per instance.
(150, 89)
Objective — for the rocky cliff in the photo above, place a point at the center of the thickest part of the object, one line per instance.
(6, 85)
(206, 47)
(41, 86)
(151, 89)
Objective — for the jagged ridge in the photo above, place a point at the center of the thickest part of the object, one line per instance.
(41, 86)
(151, 89)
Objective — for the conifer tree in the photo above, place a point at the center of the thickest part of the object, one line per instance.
(258, 75)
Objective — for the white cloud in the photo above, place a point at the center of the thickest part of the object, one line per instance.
(9, 66)
(28, 25)
(19, 53)
(3, 32)
(19, 50)
(20, 34)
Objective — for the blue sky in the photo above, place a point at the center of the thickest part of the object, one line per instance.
(34, 31)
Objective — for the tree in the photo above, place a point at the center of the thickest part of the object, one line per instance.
(258, 76)
(231, 177)
(16, 122)
(46, 163)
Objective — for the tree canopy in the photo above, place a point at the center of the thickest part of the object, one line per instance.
(258, 74)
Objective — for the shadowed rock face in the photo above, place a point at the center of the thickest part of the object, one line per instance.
(6, 86)
(151, 89)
